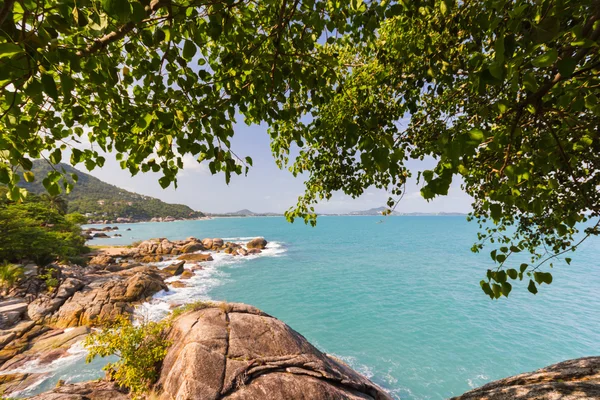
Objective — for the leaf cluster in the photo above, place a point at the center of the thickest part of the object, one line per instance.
(141, 349)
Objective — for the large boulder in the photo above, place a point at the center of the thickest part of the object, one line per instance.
(235, 351)
(217, 243)
(568, 380)
(195, 257)
(192, 247)
(102, 260)
(95, 390)
(207, 243)
(257, 243)
(174, 269)
(108, 300)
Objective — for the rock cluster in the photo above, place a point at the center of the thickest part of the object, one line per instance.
(164, 247)
(569, 380)
(33, 328)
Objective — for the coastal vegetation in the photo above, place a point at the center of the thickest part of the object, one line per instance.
(37, 230)
(99, 200)
(140, 347)
(9, 275)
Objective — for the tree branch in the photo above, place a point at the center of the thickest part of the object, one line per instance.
(6, 10)
(120, 33)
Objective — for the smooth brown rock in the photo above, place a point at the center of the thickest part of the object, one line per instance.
(569, 380)
(217, 243)
(108, 300)
(98, 390)
(257, 243)
(207, 243)
(254, 251)
(237, 351)
(195, 257)
(102, 259)
(191, 248)
(178, 284)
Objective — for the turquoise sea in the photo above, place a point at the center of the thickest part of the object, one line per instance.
(399, 301)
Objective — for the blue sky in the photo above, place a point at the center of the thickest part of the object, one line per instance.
(266, 188)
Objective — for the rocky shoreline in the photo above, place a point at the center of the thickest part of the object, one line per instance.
(218, 350)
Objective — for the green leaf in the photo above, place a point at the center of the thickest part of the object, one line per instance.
(476, 134)
(117, 9)
(532, 288)
(443, 8)
(49, 86)
(506, 288)
(56, 156)
(189, 50)
(164, 182)
(566, 66)
(496, 211)
(512, 273)
(568, 260)
(546, 59)
(9, 49)
(29, 176)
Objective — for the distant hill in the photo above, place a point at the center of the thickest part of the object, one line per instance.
(373, 211)
(97, 199)
(244, 213)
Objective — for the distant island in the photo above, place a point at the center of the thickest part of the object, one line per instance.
(244, 213)
(102, 202)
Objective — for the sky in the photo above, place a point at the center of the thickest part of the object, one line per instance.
(266, 188)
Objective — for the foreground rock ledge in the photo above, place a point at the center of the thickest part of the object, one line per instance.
(568, 380)
(235, 351)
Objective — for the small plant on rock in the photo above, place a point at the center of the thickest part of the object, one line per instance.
(9, 275)
(140, 348)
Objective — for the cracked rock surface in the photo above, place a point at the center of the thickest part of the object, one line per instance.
(569, 380)
(235, 351)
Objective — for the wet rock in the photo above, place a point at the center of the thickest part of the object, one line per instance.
(257, 243)
(217, 243)
(195, 257)
(187, 274)
(174, 269)
(49, 346)
(178, 284)
(236, 351)
(254, 251)
(207, 243)
(98, 390)
(569, 380)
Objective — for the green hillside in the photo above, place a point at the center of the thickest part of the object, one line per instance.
(90, 196)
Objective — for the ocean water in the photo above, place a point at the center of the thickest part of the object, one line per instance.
(399, 301)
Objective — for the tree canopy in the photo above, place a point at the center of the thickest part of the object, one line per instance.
(501, 93)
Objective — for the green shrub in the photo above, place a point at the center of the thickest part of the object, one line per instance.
(9, 275)
(140, 348)
(49, 276)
